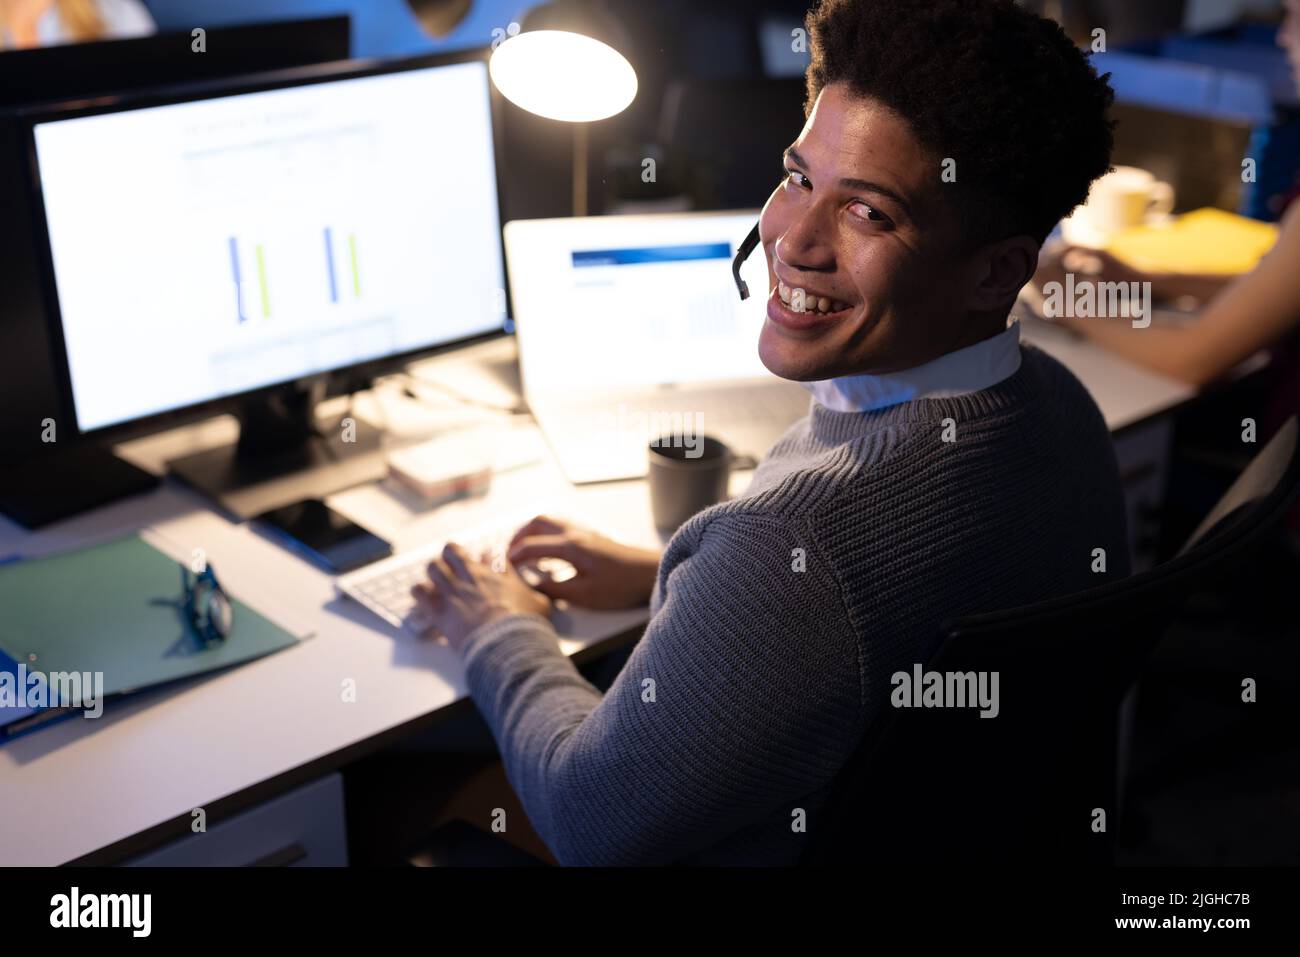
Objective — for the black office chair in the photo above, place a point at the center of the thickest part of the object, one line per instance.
(945, 785)
(460, 844)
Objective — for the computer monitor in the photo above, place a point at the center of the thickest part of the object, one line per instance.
(40, 480)
(73, 70)
(239, 243)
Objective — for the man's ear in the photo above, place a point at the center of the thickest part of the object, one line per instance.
(1005, 267)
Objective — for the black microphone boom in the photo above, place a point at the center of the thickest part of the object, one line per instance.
(742, 254)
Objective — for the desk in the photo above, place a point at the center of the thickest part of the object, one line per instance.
(1127, 394)
(108, 789)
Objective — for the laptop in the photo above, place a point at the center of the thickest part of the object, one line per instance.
(630, 329)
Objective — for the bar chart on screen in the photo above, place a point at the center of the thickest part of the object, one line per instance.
(250, 273)
(288, 232)
(351, 279)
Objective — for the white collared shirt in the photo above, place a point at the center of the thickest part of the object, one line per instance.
(963, 371)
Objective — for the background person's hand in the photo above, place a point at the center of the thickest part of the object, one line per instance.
(1092, 265)
(608, 574)
(463, 593)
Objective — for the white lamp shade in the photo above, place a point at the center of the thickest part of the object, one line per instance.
(563, 76)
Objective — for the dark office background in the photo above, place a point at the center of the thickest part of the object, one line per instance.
(386, 27)
(725, 68)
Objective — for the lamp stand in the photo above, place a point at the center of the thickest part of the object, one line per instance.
(579, 169)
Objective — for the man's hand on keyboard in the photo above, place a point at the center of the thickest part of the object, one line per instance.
(463, 593)
(606, 574)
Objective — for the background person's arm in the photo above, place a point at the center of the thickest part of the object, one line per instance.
(1168, 287)
(1101, 266)
(1251, 313)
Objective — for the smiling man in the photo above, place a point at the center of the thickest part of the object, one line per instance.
(943, 469)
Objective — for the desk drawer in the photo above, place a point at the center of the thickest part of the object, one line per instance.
(304, 828)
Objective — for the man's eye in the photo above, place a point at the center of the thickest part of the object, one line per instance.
(796, 178)
(869, 213)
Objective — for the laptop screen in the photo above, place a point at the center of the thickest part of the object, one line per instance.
(630, 301)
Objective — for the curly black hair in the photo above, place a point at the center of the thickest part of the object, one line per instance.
(1001, 91)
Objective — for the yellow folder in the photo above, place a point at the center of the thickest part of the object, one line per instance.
(1203, 241)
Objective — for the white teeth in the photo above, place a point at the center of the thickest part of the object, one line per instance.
(800, 300)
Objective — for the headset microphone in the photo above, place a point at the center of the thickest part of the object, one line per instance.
(742, 254)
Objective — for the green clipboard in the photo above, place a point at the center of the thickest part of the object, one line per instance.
(116, 608)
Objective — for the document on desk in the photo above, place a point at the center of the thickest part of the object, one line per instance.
(85, 627)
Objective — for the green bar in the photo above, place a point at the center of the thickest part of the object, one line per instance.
(356, 274)
(261, 280)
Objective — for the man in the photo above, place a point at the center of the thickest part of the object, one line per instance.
(943, 469)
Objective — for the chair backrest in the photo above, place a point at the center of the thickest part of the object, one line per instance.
(1266, 475)
(946, 784)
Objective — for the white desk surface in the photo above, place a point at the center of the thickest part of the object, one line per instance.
(79, 786)
(1126, 393)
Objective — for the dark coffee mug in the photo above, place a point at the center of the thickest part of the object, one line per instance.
(685, 479)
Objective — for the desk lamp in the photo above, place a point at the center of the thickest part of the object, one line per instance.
(562, 62)
(565, 65)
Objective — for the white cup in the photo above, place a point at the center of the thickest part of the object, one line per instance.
(1126, 197)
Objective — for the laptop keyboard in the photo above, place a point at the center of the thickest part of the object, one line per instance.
(749, 421)
(769, 408)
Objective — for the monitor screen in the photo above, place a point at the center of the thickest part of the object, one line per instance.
(212, 247)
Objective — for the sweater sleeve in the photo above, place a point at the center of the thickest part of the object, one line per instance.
(744, 695)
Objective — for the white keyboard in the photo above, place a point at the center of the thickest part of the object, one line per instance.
(385, 586)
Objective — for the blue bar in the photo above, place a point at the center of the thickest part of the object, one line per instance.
(239, 287)
(652, 254)
(329, 261)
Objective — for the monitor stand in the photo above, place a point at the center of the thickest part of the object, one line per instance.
(57, 484)
(284, 454)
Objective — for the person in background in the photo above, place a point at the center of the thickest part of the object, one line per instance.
(38, 23)
(1241, 315)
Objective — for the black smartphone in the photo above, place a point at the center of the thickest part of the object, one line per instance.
(323, 536)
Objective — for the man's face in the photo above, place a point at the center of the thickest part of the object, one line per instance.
(1288, 37)
(860, 225)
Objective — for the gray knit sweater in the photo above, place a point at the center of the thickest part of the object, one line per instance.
(779, 617)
